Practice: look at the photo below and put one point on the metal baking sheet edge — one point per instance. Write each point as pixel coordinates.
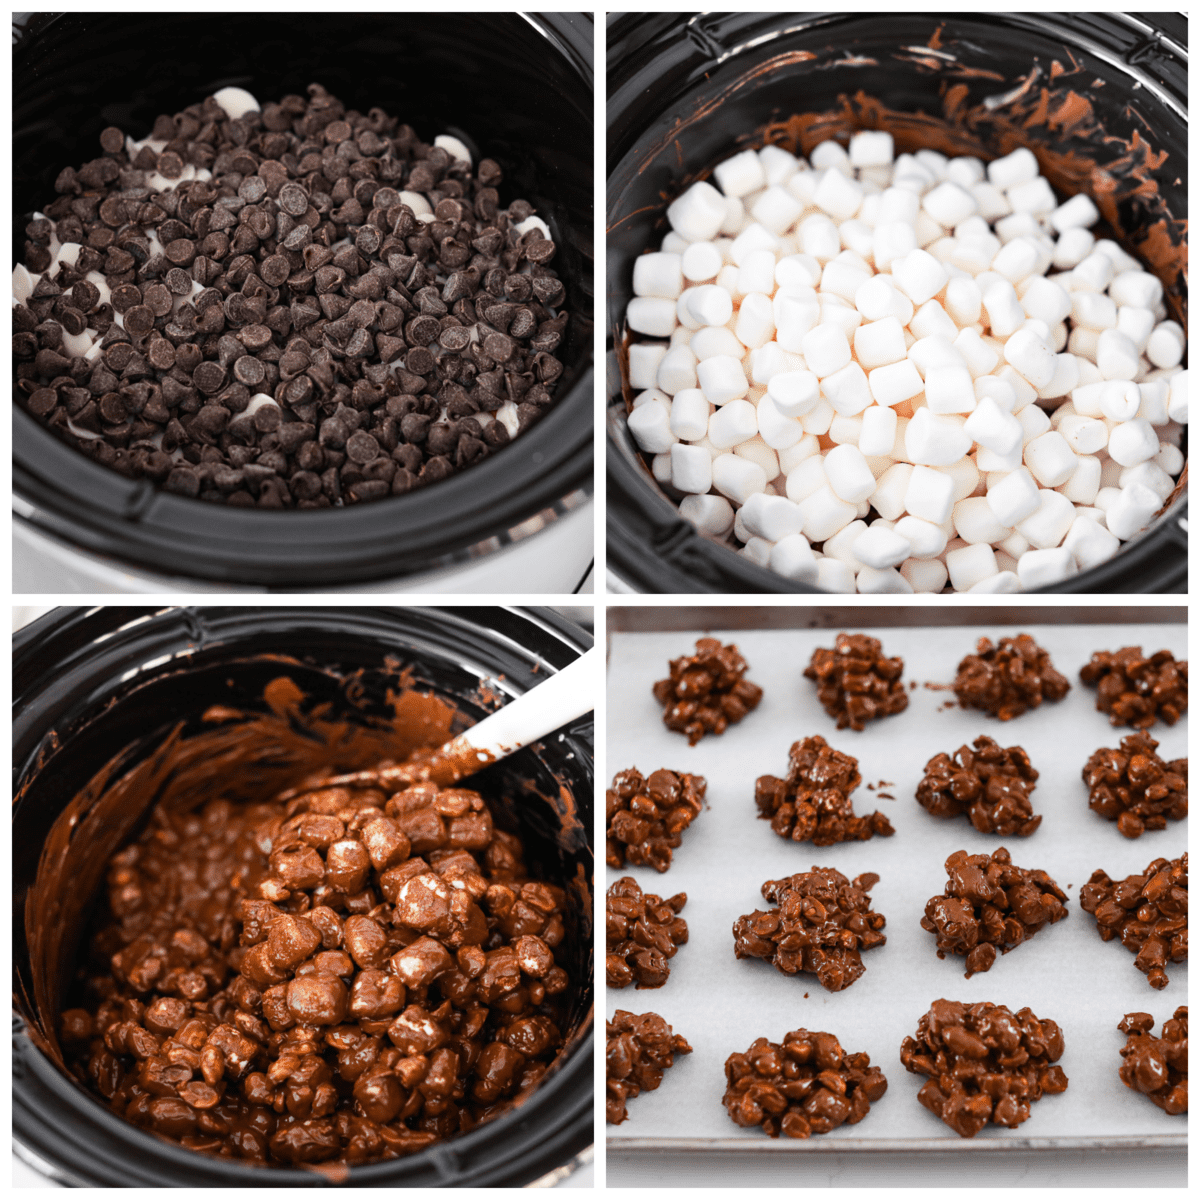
(1164, 1141)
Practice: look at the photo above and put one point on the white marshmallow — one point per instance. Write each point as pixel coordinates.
(845, 431)
(879, 343)
(1042, 568)
(1014, 497)
(805, 478)
(1154, 396)
(847, 390)
(237, 102)
(790, 457)
(993, 427)
(1004, 582)
(677, 370)
(1004, 312)
(776, 209)
(1136, 287)
(881, 548)
(975, 522)
(737, 478)
(872, 581)
(936, 440)
(1116, 355)
(690, 411)
(1016, 168)
(848, 474)
(1084, 483)
(1076, 213)
(777, 430)
(658, 274)
(771, 517)
(1047, 526)
(755, 236)
(834, 576)
(797, 273)
(1166, 345)
(919, 276)
(927, 576)
(700, 262)
(1169, 458)
(710, 304)
(795, 318)
(819, 419)
(1050, 459)
(792, 557)
(758, 551)
(644, 358)
(650, 426)
(871, 148)
(1132, 442)
(929, 495)
(949, 204)
(651, 315)
(926, 540)
(1090, 543)
(755, 322)
(710, 514)
(691, 468)
(722, 379)
(1000, 390)
(741, 174)
(1035, 196)
(1029, 355)
(891, 491)
(712, 340)
(932, 320)
(839, 196)
(1131, 511)
(778, 165)
(895, 383)
(1085, 435)
(970, 565)
(736, 422)
(794, 392)
(697, 214)
(824, 514)
(878, 430)
(1150, 475)
(949, 389)
(757, 274)
(1177, 406)
(826, 350)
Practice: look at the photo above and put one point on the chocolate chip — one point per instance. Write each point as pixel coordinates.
(293, 199)
(178, 282)
(170, 166)
(361, 447)
(112, 140)
(139, 320)
(158, 299)
(209, 377)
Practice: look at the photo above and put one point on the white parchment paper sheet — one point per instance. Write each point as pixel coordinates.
(721, 1004)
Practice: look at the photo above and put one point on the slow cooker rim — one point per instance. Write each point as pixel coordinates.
(572, 1120)
(629, 482)
(546, 472)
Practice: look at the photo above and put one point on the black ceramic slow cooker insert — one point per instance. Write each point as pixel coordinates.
(513, 87)
(684, 88)
(88, 683)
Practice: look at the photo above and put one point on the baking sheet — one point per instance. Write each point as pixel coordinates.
(721, 1004)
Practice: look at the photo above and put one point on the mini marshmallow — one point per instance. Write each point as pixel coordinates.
(778, 165)
(970, 565)
(1029, 355)
(1042, 568)
(872, 581)
(776, 209)
(771, 517)
(1131, 511)
(741, 174)
(847, 390)
(713, 340)
(795, 317)
(736, 422)
(1169, 458)
(1138, 288)
(658, 274)
(929, 495)
(979, 357)
(700, 262)
(949, 204)
(848, 474)
(677, 370)
(737, 478)
(644, 358)
(1177, 406)
(757, 451)
(697, 214)
(881, 548)
(993, 427)
(757, 274)
(1089, 543)
(806, 478)
(710, 304)
(651, 315)
(838, 195)
(818, 236)
(650, 426)
(879, 343)
(1166, 345)
(824, 514)
(1150, 475)
(1116, 355)
(755, 236)
(974, 521)
(1034, 196)
(1048, 524)
(797, 273)
(755, 322)
(758, 551)
(777, 430)
(1014, 498)
(1016, 168)
(932, 320)
(1085, 435)
(895, 383)
(999, 390)
(818, 420)
(1050, 459)
(1004, 311)
(926, 576)
(795, 393)
(826, 350)
(709, 514)
(949, 389)
(834, 576)
(690, 411)
(936, 440)
(891, 491)
(722, 379)
(1132, 442)
(790, 457)
(878, 430)
(691, 468)
(926, 540)
(237, 102)
(1077, 213)
(871, 148)
(792, 557)
(919, 276)
(845, 431)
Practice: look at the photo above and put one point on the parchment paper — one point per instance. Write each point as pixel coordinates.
(721, 1004)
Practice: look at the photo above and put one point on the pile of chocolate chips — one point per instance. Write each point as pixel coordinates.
(989, 903)
(813, 803)
(822, 923)
(647, 817)
(1135, 690)
(706, 691)
(990, 784)
(1148, 912)
(1006, 680)
(1157, 1066)
(855, 682)
(642, 932)
(807, 1085)
(1136, 788)
(296, 271)
(984, 1063)
(640, 1046)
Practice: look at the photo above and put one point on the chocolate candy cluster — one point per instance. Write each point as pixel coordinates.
(1136, 788)
(642, 931)
(1136, 690)
(1009, 678)
(640, 1046)
(990, 784)
(706, 691)
(647, 816)
(855, 682)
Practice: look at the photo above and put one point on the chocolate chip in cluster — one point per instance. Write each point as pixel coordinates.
(1135, 690)
(707, 691)
(339, 974)
(295, 308)
(642, 933)
(813, 803)
(640, 1046)
(989, 904)
(821, 925)
(1157, 1066)
(983, 1063)
(990, 784)
(1008, 679)
(1136, 788)
(1147, 912)
(807, 1085)
(855, 682)
(647, 816)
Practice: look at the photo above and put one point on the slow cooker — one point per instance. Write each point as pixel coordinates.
(515, 87)
(683, 89)
(89, 683)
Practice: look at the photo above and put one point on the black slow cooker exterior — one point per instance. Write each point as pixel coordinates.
(683, 87)
(88, 682)
(515, 87)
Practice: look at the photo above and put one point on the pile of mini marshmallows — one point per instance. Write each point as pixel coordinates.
(929, 339)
